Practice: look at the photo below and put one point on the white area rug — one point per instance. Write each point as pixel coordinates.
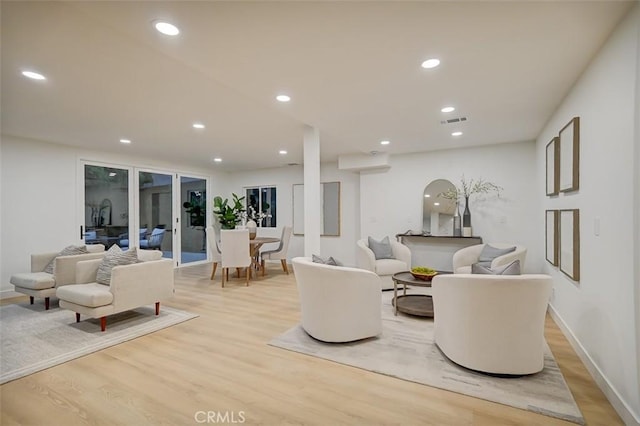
(406, 350)
(34, 339)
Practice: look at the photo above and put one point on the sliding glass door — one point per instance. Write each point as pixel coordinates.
(193, 239)
(106, 204)
(155, 212)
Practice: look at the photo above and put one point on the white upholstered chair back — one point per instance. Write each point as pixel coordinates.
(492, 323)
(465, 257)
(214, 248)
(279, 253)
(235, 251)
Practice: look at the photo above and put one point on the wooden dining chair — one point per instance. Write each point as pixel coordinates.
(280, 253)
(214, 248)
(235, 252)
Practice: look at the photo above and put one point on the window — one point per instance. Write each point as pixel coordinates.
(261, 205)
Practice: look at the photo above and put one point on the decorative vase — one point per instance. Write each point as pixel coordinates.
(457, 226)
(466, 219)
(252, 227)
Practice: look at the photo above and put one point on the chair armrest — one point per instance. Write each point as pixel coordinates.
(365, 259)
(141, 284)
(41, 260)
(401, 252)
(87, 270)
(64, 268)
(466, 256)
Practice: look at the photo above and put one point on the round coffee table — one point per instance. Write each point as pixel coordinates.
(412, 304)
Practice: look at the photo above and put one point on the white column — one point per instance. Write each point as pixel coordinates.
(312, 205)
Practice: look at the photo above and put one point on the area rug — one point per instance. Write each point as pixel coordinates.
(34, 339)
(405, 350)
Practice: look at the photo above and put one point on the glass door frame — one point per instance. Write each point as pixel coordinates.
(208, 218)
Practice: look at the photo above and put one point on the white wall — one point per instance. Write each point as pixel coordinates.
(391, 202)
(341, 247)
(39, 190)
(599, 313)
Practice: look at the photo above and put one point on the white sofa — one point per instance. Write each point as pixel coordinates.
(337, 303)
(38, 283)
(384, 268)
(492, 323)
(465, 257)
(132, 286)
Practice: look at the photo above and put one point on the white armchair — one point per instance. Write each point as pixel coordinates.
(38, 283)
(384, 268)
(337, 303)
(492, 323)
(131, 286)
(465, 257)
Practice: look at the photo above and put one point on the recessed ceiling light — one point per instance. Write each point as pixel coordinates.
(448, 109)
(217, 159)
(385, 142)
(125, 141)
(282, 152)
(283, 98)
(198, 126)
(427, 195)
(436, 204)
(166, 28)
(456, 134)
(431, 63)
(33, 75)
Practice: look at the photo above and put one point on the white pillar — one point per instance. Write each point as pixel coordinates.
(312, 205)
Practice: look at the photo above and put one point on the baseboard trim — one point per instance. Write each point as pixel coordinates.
(619, 404)
(9, 294)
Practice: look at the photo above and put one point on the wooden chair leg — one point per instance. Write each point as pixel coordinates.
(77, 317)
(225, 272)
(284, 266)
(46, 303)
(103, 323)
(248, 275)
(215, 266)
(31, 300)
(262, 263)
(157, 308)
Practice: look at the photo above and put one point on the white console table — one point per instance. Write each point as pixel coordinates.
(435, 251)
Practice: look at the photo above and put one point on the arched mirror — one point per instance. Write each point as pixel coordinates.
(437, 211)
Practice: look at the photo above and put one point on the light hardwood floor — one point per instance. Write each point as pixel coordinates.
(220, 362)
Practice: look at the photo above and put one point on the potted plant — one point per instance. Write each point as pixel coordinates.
(228, 215)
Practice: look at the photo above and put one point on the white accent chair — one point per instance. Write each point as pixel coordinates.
(38, 283)
(280, 253)
(492, 323)
(132, 286)
(337, 303)
(235, 252)
(465, 257)
(155, 239)
(214, 248)
(384, 268)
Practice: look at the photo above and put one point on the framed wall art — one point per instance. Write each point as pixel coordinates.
(570, 156)
(552, 221)
(570, 243)
(553, 166)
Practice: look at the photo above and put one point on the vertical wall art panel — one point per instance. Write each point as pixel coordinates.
(570, 156)
(570, 243)
(553, 166)
(552, 236)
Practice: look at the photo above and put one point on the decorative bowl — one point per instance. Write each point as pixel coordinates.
(423, 276)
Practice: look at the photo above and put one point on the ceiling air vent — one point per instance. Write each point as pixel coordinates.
(454, 120)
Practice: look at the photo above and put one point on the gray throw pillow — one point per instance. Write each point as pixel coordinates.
(329, 261)
(512, 268)
(489, 253)
(67, 251)
(114, 257)
(381, 249)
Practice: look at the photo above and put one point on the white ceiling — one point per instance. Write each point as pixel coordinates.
(351, 68)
